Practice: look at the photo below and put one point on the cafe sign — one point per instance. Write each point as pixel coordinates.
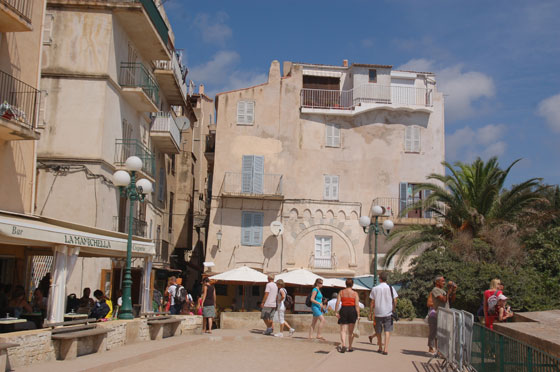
(85, 241)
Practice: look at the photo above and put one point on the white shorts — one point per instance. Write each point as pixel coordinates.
(279, 316)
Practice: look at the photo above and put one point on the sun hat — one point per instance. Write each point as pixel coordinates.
(502, 297)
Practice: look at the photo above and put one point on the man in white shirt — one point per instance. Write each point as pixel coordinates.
(332, 303)
(268, 305)
(382, 305)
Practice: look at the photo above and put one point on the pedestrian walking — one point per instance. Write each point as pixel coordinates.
(170, 295)
(489, 302)
(383, 303)
(208, 305)
(438, 297)
(348, 303)
(317, 309)
(268, 305)
(281, 310)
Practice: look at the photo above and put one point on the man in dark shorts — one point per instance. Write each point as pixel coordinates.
(382, 305)
(268, 305)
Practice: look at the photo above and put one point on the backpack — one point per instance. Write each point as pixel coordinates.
(288, 301)
(180, 294)
(492, 301)
(308, 299)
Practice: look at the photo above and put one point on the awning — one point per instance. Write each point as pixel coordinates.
(47, 232)
(336, 74)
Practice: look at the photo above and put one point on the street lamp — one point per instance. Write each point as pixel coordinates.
(373, 227)
(133, 191)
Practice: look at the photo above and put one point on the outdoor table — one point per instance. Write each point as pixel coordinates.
(7, 324)
(74, 316)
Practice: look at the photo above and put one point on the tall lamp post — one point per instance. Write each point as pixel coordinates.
(133, 191)
(372, 227)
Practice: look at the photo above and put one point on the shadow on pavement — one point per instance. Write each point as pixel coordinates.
(426, 367)
(257, 331)
(416, 352)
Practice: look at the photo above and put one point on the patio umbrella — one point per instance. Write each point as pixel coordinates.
(340, 283)
(241, 276)
(298, 277)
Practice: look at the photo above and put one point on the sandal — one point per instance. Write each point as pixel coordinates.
(380, 351)
(321, 338)
(350, 349)
(385, 353)
(370, 339)
(342, 349)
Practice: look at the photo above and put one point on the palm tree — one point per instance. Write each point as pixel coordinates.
(469, 202)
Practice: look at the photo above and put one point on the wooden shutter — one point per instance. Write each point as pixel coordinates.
(246, 223)
(415, 139)
(47, 29)
(42, 122)
(161, 189)
(335, 135)
(241, 118)
(247, 174)
(408, 139)
(334, 187)
(249, 112)
(327, 190)
(403, 190)
(257, 229)
(258, 174)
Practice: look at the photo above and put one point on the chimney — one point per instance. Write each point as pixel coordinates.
(201, 89)
(344, 63)
(274, 72)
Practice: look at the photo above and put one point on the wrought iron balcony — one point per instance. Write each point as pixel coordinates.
(19, 103)
(400, 210)
(170, 75)
(139, 227)
(165, 133)
(15, 15)
(265, 186)
(124, 148)
(139, 86)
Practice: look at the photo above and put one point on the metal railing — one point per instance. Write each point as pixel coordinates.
(266, 184)
(139, 227)
(165, 122)
(323, 263)
(24, 8)
(454, 338)
(366, 93)
(18, 101)
(492, 351)
(399, 208)
(177, 68)
(136, 75)
(124, 148)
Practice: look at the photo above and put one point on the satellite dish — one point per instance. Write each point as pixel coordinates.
(276, 227)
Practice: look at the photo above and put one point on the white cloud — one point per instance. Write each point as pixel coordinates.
(463, 90)
(213, 29)
(466, 143)
(222, 74)
(550, 110)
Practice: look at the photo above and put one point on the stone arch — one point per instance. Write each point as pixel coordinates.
(307, 214)
(294, 214)
(341, 215)
(318, 215)
(354, 215)
(332, 229)
(329, 215)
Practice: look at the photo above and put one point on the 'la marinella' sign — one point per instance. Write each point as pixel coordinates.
(83, 240)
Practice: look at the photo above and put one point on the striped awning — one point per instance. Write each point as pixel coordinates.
(326, 73)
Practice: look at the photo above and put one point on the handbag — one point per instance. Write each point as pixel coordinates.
(357, 328)
(394, 314)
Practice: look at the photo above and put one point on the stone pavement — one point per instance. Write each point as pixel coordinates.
(249, 350)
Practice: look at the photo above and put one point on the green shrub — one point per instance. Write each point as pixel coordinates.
(364, 312)
(405, 309)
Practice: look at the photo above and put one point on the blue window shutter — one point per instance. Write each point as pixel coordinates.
(257, 228)
(427, 213)
(246, 222)
(403, 190)
(258, 174)
(247, 174)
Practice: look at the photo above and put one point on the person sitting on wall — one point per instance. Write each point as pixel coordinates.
(101, 308)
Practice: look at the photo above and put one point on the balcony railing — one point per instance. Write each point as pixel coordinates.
(124, 148)
(23, 8)
(18, 101)
(399, 208)
(265, 184)
(135, 75)
(165, 122)
(323, 263)
(139, 227)
(367, 93)
(175, 66)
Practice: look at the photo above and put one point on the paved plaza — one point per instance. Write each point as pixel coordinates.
(249, 350)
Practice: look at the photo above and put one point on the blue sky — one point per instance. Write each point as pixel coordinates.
(497, 62)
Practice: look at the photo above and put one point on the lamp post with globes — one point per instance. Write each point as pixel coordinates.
(371, 227)
(133, 191)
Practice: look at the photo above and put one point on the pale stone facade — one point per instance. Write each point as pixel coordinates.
(320, 146)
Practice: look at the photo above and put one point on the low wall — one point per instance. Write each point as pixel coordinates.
(302, 322)
(36, 346)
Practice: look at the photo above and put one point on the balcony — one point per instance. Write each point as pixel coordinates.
(139, 227)
(139, 87)
(141, 20)
(165, 133)
(365, 98)
(169, 75)
(265, 186)
(210, 147)
(19, 103)
(15, 15)
(125, 148)
(162, 253)
(397, 210)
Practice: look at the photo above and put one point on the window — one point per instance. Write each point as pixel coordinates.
(323, 250)
(333, 135)
(161, 184)
(252, 228)
(245, 112)
(47, 29)
(373, 76)
(173, 164)
(412, 139)
(252, 169)
(331, 188)
(409, 196)
(171, 197)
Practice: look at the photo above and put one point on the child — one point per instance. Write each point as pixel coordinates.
(504, 312)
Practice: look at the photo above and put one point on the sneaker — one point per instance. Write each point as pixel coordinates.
(268, 331)
(292, 331)
(278, 335)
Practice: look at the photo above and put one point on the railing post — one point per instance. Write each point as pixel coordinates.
(501, 352)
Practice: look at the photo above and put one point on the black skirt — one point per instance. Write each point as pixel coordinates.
(348, 315)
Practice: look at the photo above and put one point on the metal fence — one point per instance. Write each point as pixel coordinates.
(23, 8)
(124, 148)
(139, 227)
(494, 352)
(136, 75)
(18, 101)
(454, 335)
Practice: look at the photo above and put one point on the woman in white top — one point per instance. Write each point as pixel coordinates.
(281, 309)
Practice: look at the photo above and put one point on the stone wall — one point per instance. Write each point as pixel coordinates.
(34, 347)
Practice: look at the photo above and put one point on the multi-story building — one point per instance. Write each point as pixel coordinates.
(315, 148)
(114, 88)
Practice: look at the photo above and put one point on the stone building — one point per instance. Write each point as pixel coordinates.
(315, 148)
